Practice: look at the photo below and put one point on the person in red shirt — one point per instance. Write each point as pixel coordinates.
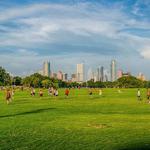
(67, 92)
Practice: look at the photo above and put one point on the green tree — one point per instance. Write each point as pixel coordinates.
(47, 83)
(5, 78)
(129, 82)
(17, 80)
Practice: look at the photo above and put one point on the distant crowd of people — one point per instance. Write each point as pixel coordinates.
(54, 92)
(139, 96)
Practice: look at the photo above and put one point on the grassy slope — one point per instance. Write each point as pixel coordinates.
(114, 121)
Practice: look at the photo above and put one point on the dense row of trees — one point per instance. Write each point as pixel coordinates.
(37, 80)
(124, 82)
(5, 78)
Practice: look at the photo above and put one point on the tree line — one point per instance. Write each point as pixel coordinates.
(36, 80)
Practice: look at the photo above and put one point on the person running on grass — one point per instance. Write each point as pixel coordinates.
(67, 92)
(8, 96)
(148, 93)
(32, 92)
(56, 92)
(41, 93)
(139, 94)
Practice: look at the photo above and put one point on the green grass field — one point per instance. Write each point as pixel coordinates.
(115, 121)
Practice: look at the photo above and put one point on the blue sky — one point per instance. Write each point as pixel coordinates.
(67, 32)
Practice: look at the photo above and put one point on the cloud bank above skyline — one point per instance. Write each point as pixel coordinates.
(70, 32)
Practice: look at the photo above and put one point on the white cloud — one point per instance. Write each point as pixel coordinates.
(37, 25)
(146, 52)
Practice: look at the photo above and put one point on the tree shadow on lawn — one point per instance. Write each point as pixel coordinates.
(139, 146)
(28, 112)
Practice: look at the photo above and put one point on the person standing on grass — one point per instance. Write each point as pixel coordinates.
(139, 94)
(8, 96)
(32, 92)
(148, 94)
(41, 93)
(50, 91)
(54, 92)
(100, 92)
(67, 92)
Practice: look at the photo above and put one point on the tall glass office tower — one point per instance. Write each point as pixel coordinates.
(113, 70)
(46, 69)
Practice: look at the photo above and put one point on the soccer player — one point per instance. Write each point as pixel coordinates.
(100, 92)
(67, 92)
(56, 92)
(148, 94)
(50, 92)
(8, 96)
(41, 93)
(32, 92)
(139, 94)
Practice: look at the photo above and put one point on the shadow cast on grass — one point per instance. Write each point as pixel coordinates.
(139, 146)
(28, 112)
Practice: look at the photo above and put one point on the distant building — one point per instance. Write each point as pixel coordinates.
(98, 76)
(46, 69)
(73, 78)
(54, 75)
(102, 74)
(106, 78)
(126, 74)
(90, 75)
(80, 72)
(120, 74)
(65, 77)
(113, 70)
(60, 75)
(94, 77)
(141, 77)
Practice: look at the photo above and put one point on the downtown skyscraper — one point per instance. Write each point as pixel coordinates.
(46, 69)
(113, 71)
(80, 73)
(100, 74)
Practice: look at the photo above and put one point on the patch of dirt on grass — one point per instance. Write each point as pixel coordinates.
(98, 126)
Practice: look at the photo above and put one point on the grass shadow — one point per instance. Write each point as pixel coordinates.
(138, 146)
(28, 112)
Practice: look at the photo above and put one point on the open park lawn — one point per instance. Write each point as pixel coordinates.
(113, 121)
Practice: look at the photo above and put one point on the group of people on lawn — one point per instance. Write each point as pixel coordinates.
(51, 92)
(54, 92)
(147, 94)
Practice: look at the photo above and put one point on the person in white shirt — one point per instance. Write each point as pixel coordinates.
(139, 94)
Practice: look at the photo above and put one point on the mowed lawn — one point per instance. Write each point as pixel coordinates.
(115, 121)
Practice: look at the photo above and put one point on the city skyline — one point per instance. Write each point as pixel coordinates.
(65, 31)
(80, 74)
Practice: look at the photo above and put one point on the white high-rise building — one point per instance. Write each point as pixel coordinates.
(113, 71)
(90, 74)
(46, 69)
(80, 72)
